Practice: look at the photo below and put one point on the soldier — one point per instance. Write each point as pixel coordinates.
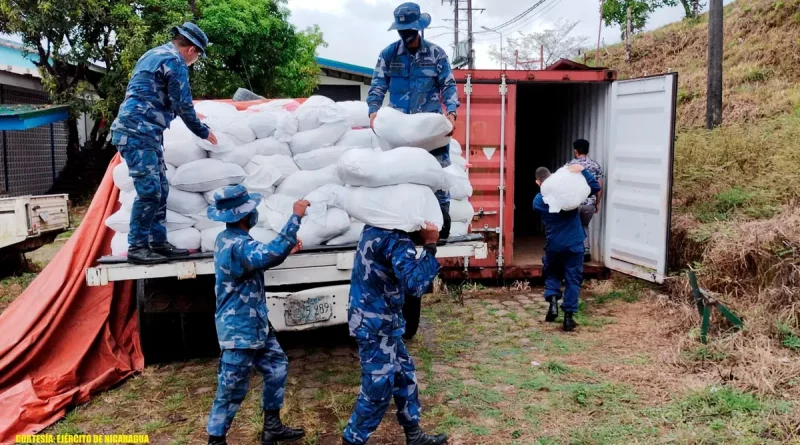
(246, 338)
(418, 77)
(158, 90)
(387, 271)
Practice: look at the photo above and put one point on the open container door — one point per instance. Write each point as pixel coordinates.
(639, 184)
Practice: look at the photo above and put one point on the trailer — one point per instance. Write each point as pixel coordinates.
(28, 222)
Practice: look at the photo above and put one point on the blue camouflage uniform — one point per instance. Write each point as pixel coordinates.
(245, 335)
(417, 83)
(386, 270)
(157, 92)
(563, 250)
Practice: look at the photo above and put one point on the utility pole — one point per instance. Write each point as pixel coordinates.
(628, 37)
(469, 35)
(714, 88)
(599, 30)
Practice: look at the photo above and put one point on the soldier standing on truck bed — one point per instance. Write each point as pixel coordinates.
(157, 91)
(246, 338)
(418, 77)
(386, 271)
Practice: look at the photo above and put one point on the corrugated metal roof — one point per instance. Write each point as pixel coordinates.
(26, 116)
(345, 67)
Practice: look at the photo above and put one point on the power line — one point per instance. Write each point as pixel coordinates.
(536, 17)
(519, 16)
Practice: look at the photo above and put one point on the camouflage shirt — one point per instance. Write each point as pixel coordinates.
(386, 270)
(417, 83)
(592, 167)
(239, 265)
(158, 90)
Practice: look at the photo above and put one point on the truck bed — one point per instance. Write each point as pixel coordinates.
(325, 264)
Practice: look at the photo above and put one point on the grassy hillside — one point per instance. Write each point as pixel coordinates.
(735, 214)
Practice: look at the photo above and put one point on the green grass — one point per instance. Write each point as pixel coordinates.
(557, 368)
(12, 287)
(788, 338)
(704, 353)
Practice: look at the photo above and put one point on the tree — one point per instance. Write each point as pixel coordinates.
(615, 12)
(691, 8)
(254, 46)
(557, 43)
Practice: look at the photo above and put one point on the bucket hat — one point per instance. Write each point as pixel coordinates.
(233, 203)
(409, 16)
(194, 34)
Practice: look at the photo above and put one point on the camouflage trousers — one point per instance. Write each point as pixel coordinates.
(233, 374)
(149, 174)
(386, 371)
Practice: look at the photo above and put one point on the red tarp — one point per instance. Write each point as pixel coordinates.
(62, 341)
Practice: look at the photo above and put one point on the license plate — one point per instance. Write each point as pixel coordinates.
(311, 310)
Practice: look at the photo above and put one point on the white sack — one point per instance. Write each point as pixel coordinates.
(208, 238)
(321, 157)
(171, 169)
(458, 182)
(120, 221)
(207, 174)
(461, 211)
(262, 181)
(425, 130)
(126, 199)
(218, 113)
(119, 244)
(183, 153)
(269, 147)
(185, 203)
(285, 165)
(351, 236)
(459, 162)
(322, 136)
(201, 221)
(122, 178)
(239, 132)
(239, 155)
(455, 148)
(304, 182)
(459, 228)
(265, 123)
(356, 111)
(565, 190)
(209, 195)
(178, 134)
(317, 228)
(224, 143)
(358, 138)
(262, 235)
(404, 165)
(274, 211)
(403, 207)
(316, 111)
(275, 104)
(185, 238)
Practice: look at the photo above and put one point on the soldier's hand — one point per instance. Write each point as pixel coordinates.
(212, 138)
(297, 247)
(430, 234)
(372, 120)
(300, 207)
(575, 168)
(452, 120)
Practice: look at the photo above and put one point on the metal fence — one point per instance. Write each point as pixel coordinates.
(30, 160)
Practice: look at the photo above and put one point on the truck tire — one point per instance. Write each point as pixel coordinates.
(412, 310)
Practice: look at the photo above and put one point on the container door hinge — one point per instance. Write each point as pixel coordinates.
(481, 213)
(486, 229)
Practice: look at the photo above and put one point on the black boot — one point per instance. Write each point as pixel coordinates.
(552, 311)
(415, 436)
(569, 322)
(275, 431)
(144, 256)
(168, 250)
(217, 440)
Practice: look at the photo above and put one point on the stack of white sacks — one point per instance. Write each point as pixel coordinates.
(321, 151)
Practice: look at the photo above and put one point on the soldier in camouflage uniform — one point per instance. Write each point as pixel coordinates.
(158, 90)
(246, 338)
(387, 271)
(418, 77)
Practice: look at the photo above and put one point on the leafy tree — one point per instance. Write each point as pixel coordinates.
(615, 12)
(557, 43)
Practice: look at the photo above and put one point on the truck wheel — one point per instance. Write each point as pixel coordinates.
(412, 310)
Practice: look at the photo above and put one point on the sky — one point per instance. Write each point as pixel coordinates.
(356, 30)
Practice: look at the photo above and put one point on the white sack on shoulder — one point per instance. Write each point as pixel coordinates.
(262, 235)
(119, 244)
(185, 238)
(208, 238)
(120, 221)
(323, 136)
(284, 164)
(183, 153)
(321, 157)
(207, 174)
(317, 228)
(461, 211)
(239, 155)
(403, 165)
(356, 111)
(185, 203)
(425, 130)
(351, 236)
(565, 190)
(304, 182)
(275, 211)
(316, 111)
(458, 182)
(403, 207)
(357, 138)
(122, 178)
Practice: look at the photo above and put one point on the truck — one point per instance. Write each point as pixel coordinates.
(29, 222)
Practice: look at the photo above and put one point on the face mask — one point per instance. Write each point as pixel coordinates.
(408, 35)
(252, 219)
